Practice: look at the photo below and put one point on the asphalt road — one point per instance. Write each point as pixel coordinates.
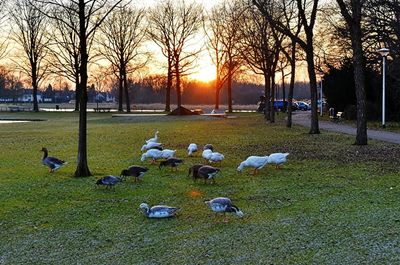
(303, 118)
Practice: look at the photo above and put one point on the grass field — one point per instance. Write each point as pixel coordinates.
(332, 203)
(391, 126)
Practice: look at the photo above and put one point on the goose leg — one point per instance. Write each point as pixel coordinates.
(225, 219)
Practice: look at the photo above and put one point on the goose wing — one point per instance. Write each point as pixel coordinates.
(222, 201)
(160, 211)
(55, 160)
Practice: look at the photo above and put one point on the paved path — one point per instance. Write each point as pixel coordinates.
(303, 119)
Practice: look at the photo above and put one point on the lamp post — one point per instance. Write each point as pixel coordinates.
(321, 74)
(384, 53)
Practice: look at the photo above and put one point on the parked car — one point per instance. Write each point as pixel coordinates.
(279, 105)
(301, 105)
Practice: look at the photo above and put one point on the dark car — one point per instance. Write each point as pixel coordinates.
(279, 105)
(301, 105)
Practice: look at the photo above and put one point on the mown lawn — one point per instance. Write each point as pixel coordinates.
(332, 203)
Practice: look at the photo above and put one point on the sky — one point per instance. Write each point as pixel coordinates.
(205, 70)
(206, 3)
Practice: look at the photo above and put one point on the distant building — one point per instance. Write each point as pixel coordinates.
(28, 97)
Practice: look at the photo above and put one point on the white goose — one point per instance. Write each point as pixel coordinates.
(278, 159)
(167, 153)
(154, 154)
(151, 145)
(154, 139)
(212, 156)
(192, 148)
(257, 162)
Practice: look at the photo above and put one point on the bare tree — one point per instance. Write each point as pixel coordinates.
(307, 12)
(229, 13)
(261, 47)
(214, 27)
(174, 25)
(292, 21)
(90, 14)
(352, 13)
(159, 32)
(120, 43)
(65, 54)
(30, 33)
(3, 18)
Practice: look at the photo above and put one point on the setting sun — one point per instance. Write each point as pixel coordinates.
(206, 72)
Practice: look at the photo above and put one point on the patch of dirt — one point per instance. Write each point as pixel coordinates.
(161, 118)
(183, 111)
(341, 153)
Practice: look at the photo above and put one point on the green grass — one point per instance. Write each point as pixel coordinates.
(332, 203)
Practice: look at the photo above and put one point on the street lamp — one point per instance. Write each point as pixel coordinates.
(384, 52)
(321, 74)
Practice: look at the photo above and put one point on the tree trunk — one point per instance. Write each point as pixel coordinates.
(283, 87)
(168, 88)
(291, 86)
(272, 118)
(313, 85)
(120, 90)
(353, 20)
(359, 79)
(77, 92)
(267, 86)
(178, 85)
(217, 90)
(82, 169)
(229, 87)
(34, 88)
(127, 99)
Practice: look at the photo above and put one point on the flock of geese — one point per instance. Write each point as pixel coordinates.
(153, 150)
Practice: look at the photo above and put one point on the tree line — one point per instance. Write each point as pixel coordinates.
(265, 37)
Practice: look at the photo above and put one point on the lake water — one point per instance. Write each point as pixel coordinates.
(11, 121)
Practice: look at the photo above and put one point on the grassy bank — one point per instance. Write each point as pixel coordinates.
(332, 203)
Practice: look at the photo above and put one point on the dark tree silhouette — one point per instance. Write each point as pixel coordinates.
(30, 33)
(213, 28)
(292, 21)
(65, 58)
(173, 27)
(90, 14)
(307, 12)
(221, 29)
(260, 48)
(3, 18)
(122, 37)
(229, 14)
(159, 32)
(352, 14)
